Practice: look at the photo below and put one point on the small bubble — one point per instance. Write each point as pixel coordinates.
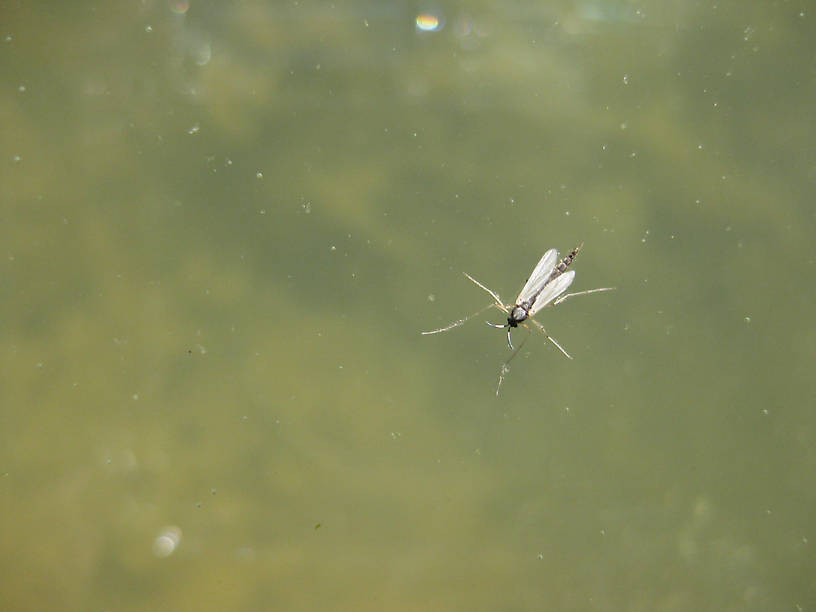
(428, 22)
(747, 319)
(307, 207)
(259, 175)
(194, 129)
(167, 541)
(21, 88)
(625, 79)
(431, 297)
(148, 28)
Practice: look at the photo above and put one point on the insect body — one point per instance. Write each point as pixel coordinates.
(547, 282)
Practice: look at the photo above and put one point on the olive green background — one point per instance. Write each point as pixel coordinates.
(223, 226)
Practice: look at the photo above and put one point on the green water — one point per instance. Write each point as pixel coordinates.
(225, 224)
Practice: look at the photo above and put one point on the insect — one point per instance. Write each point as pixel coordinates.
(548, 281)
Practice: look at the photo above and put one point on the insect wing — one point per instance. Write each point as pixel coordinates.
(552, 291)
(539, 276)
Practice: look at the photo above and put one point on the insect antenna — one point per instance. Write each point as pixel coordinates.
(505, 367)
(497, 326)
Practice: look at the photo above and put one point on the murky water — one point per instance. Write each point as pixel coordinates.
(225, 225)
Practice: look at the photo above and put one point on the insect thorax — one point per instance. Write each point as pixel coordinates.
(517, 315)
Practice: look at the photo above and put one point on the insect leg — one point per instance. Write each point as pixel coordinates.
(457, 323)
(550, 338)
(493, 294)
(569, 295)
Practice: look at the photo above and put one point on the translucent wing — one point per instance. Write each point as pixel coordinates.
(552, 291)
(539, 276)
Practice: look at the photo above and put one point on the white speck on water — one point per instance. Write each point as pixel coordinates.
(167, 541)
